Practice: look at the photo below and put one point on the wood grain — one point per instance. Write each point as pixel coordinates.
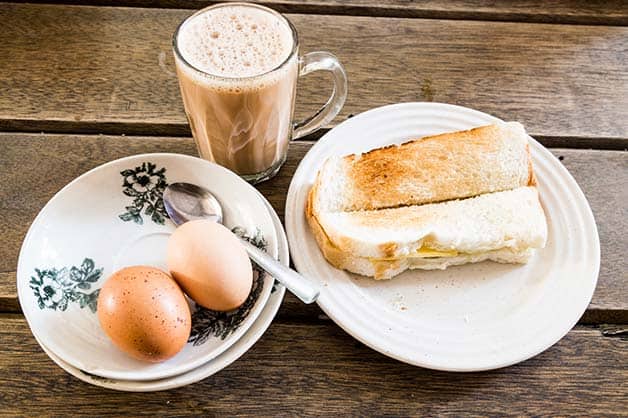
(607, 195)
(318, 370)
(612, 12)
(37, 166)
(109, 69)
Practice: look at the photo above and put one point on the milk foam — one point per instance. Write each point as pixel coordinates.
(235, 41)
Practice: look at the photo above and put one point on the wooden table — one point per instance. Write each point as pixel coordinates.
(81, 85)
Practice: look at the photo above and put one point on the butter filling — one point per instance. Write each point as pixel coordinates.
(423, 252)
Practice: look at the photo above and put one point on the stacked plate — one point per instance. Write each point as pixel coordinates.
(112, 217)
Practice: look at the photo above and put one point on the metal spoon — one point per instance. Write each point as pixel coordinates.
(187, 202)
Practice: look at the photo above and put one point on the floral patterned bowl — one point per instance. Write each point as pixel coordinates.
(111, 217)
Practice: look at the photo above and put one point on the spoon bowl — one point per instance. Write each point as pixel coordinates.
(187, 202)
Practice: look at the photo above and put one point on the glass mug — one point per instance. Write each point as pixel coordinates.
(241, 118)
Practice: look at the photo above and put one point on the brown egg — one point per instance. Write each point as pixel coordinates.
(210, 264)
(145, 313)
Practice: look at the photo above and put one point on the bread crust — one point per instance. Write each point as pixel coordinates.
(334, 255)
(531, 175)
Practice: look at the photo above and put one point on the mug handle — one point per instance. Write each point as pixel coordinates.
(322, 61)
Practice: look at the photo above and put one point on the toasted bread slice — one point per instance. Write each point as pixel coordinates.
(431, 169)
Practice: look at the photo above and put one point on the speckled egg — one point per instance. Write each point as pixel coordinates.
(145, 313)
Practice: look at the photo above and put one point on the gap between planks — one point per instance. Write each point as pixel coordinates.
(607, 330)
(610, 13)
(49, 127)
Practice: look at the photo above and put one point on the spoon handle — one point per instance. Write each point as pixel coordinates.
(293, 281)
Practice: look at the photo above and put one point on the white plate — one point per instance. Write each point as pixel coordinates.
(468, 318)
(213, 366)
(98, 224)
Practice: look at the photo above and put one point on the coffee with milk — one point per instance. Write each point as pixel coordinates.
(238, 66)
(241, 118)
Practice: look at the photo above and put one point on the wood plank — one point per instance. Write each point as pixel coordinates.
(318, 370)
(109, 69)
(563, 11)
(36, 166)
(607, 195)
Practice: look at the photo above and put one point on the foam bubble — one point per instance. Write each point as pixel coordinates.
(248, 40)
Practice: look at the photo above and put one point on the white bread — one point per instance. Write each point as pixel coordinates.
(431, 169)
(502, 226)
